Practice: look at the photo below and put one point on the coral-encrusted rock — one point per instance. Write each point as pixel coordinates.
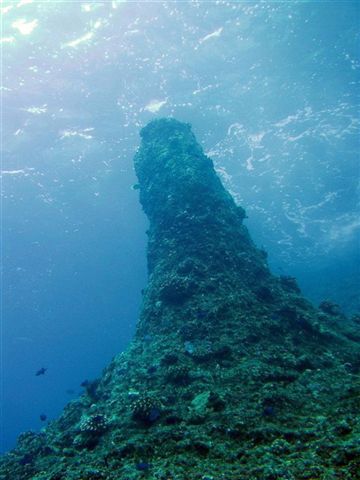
(231, 375)
(146, 409)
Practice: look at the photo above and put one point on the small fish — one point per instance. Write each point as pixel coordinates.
(143, 466)
(201, 313)
(154, 414)
(41, 371)
(268, 411)
(26, 459)
(43, 417)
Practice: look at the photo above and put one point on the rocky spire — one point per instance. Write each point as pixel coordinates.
(199, 251)
(232, 374)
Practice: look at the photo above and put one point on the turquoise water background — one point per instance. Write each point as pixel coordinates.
(271, 90)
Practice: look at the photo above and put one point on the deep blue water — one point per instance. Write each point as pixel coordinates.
(271, 90)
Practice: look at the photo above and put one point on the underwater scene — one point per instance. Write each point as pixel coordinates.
(180, 240)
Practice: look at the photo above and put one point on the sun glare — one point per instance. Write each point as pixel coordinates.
(24, 27)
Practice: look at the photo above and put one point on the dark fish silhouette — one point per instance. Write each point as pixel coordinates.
(26, 459)
(43, 417)
(143, 466)
(41, 371)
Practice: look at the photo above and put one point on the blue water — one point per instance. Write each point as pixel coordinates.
(271, 90)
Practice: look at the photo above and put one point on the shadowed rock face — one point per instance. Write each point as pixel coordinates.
(231, 375)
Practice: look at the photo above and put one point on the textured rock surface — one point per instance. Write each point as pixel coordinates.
(231, 375)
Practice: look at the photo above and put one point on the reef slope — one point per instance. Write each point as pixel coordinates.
(232, 374)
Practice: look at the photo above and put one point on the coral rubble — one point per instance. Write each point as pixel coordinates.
(232, 374)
